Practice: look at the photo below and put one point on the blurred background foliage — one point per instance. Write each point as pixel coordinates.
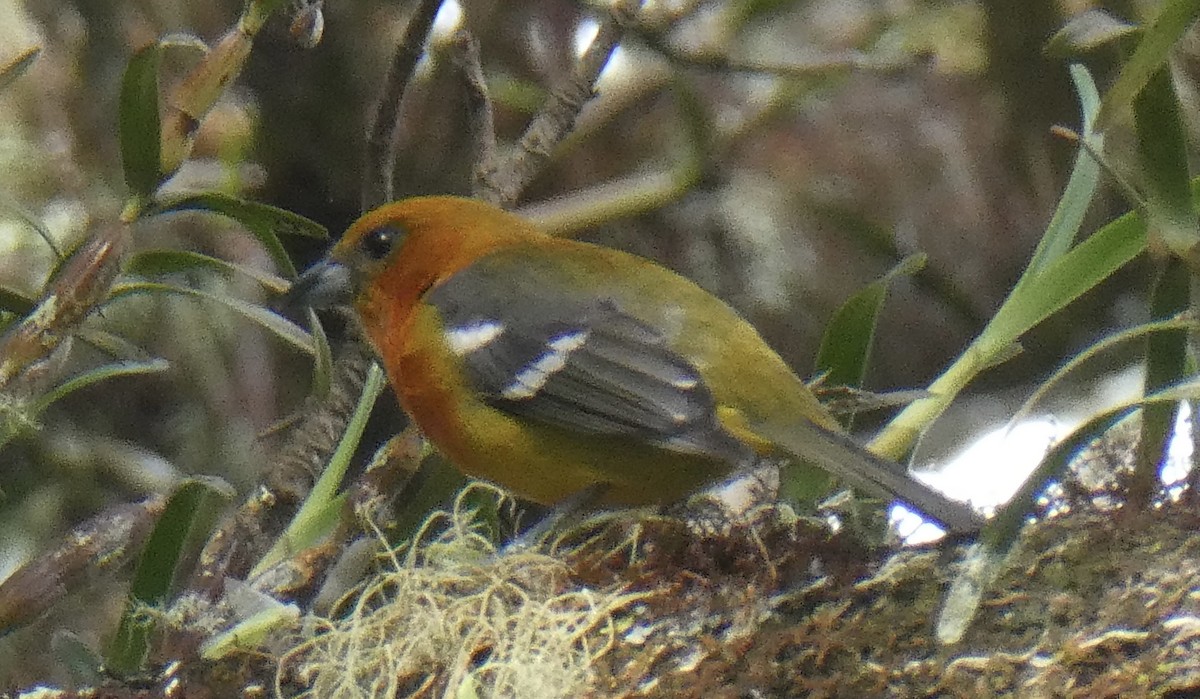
(807, 146)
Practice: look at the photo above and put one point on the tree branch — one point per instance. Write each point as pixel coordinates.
(481, 123)
(557, 116)
(380, 162)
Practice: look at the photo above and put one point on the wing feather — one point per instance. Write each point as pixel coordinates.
(584, 365)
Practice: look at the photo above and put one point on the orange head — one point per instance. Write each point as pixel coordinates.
(392, 255)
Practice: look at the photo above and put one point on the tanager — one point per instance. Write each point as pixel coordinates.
(555, 367)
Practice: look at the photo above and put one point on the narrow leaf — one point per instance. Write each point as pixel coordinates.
(1093, 351)
(156, 263)
(1166, 361)
(1064, 225)
(14, 69)
(317, 516)
(15, 302)
(264, 222)
(977, 570)
(194, 503)
(255, 614)
(323, 366)
(1035, 299)
(1086, 32)
(1068, 278)
(250, 213)
(846, 346)
(153, 263)
(1151, 55)
(997, 341)
(249, 633)
(26, 217)
(267, 319)
(141, 145)
(112, 344)
(183, 40)
(1002, 531)
(1162, 149)
(94, 376)
(984, 560)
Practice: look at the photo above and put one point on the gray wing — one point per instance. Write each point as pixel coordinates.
(583, 365)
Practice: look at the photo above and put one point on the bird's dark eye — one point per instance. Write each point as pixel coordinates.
(379, 242)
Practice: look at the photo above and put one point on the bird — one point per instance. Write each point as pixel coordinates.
(566, 371)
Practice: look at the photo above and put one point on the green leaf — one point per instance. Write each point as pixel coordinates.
(846, 346)
(1057, 275)
(140, 131)
(1065, 280)
(156, 263)
(1041, 290)
(153, 263)
(249, 633)
(1068, 216)
(1163, 150)
(26, 217)
(1002, 532)
(1151, 55)
(978, 568)
(94, 376)
(1068, 278)
(432, 487)
(264, 317)
(984, 561)
(1093, 351)
(264, 222)
(1162, 147)
(15, 302)
(183, 40)
(323, 366)
(322, 508)
(111, 344)
(192, 508)
(1166, 362)
(15, 68)
(1086, 32)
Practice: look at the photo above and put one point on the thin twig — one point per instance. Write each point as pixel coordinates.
(481, 123)
(557, 116)
(380, 163)
(817, 66)
(102, 544)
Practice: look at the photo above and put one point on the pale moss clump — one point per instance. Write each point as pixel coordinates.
(456, 618)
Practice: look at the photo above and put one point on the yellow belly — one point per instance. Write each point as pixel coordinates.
(536, 461)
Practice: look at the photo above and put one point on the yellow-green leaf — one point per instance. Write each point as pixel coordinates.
(141, 145)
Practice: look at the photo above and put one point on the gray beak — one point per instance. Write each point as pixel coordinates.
(324, 285)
